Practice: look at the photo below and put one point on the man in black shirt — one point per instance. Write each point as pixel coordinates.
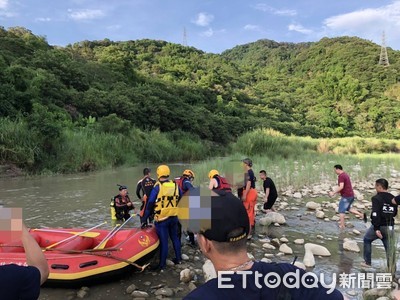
(143, 190)
(270, 191)
(382, 219)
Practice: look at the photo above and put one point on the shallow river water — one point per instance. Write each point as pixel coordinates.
(82, 200)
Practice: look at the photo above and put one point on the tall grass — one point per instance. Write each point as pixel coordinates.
(88, 149)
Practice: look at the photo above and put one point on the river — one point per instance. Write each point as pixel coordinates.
(82, 200)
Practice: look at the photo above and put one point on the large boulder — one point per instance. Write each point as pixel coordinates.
(351, 245)
(272, 218)
(311, 250)
(313, 205)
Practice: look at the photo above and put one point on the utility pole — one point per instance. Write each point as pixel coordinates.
(383, 59)
(184, 37)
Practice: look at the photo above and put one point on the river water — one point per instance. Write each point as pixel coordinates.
(82, 200)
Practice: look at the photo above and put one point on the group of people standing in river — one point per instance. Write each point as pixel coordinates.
(153, 194)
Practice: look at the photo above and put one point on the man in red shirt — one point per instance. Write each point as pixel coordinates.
(345, 190)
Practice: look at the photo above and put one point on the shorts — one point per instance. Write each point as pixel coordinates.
(345, 204)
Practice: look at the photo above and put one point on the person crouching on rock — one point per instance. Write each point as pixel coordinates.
(123, 204)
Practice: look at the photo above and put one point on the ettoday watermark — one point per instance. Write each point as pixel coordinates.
(309, 280)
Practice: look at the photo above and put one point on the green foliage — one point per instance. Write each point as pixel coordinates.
(184, 102)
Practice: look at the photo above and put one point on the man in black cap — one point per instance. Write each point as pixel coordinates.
(223, 241)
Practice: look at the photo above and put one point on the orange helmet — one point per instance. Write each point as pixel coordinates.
(188, 173)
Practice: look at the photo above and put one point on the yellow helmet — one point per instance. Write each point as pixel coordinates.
(212, 173)
(163, 171)
(188, 173)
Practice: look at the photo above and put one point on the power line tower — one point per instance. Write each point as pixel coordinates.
(383, 59)
(184, 37)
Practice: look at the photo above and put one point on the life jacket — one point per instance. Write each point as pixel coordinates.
(122, 201)
(166, 204)
(223, 184)
(180, 182)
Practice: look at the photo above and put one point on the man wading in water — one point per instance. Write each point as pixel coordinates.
(345, 189)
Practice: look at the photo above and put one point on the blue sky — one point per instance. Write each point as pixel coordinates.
(211, 25)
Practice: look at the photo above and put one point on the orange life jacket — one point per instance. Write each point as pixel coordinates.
(223, 184)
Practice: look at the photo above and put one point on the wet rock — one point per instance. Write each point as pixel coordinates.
(313, 205)
(320, 214)
(185, 257)
(355, 231)
(352, 293)
(82, 293)
(335, 218)
(139, 294)
(284, 240)
(266, 260)
(266, 240)
(279, 254)
(297, 195)
(374, 293)
(196, 258)
(250, 256)
(300, 265)
(209, 270)
(299, 241)
(192, 286)
(147, 283)
(351, 245)
(157, 286)
(284, 248)
(277, 225)
(166, 291)
(320, 237)
(268, 246)
(131, 288)
(275, 242)
(253, 245)
(268, 255)
(170, 263)
(186, 275)
(271, 218)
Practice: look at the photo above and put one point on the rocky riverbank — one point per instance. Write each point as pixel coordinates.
(303, 228)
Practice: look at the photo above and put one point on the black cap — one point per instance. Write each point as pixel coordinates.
(122, 187)
(146, 171)
(227, 214)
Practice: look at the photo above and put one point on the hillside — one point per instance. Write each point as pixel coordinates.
(330, 88)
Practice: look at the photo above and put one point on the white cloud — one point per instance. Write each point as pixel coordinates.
(368, 23)
(251, 27)
(203, 19)
(299, 28)
(43, 19)
(208, 33)
(361, 18)
(3, 4)
(85, 14)
(280, 12)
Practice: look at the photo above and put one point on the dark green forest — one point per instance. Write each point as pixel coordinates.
(96, 104)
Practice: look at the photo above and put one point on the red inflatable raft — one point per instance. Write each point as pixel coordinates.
(80, 260)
